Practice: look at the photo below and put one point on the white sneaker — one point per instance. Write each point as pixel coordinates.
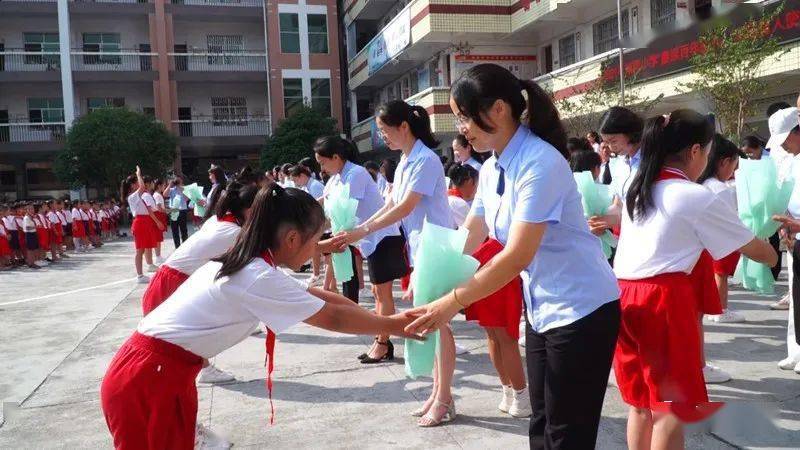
(797, 368)
(520, 404)
(211, 375)
(788, 363)
(207, 439)
(142, 279)
(714, 374)
(508, 397)
(461, 350)
(365, 293)
(782, 304)
(152, 268)
(728, 316)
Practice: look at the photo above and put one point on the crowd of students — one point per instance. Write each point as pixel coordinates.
(640, 311)
(34, 234)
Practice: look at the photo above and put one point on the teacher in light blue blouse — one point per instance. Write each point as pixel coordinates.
(528, 201)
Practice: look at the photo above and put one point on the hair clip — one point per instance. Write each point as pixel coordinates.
(666, 119)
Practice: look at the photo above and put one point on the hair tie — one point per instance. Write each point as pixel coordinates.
(666, 120)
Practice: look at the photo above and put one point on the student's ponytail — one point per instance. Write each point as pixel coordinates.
(272, 209)
(330, 146)
(212, 202)
(236, 198)
(478, 88)
(664, 140)
(395, 112)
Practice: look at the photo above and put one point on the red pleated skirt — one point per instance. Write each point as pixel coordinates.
(5, 247)
(44, 238)
(145, 232)
(58, 233)
(164, 283)
(162, 217)
(148, 395)
(727, 265)
(705, 285)
(78, 231)
(502, 309)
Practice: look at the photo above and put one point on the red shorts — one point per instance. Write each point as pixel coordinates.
(148, 395)
(164, 283)
(88, 225)
(503, 308)
(727, 265)
(78, 231)
(5, 247)
(145, 232)
(44, 238)
(658, 351)
(104, 225)
(58, 233)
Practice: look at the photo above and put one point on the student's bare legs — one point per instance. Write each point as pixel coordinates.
(384, 306)
(722, 287)
(504, 353)
(137, 261)
(667, 432)
(148, 256)
(442, 378)
(639, 428)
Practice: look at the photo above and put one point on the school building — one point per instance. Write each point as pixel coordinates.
(415, 49)
(219, 73)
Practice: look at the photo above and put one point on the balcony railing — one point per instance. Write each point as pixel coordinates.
(233, 3)
(22, 61)
(220, 62)
(32, 132)
(110, 1)
(124, 61)
(31, 1)
(205, 126)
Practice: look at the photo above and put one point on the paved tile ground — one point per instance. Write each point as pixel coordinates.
(59, 328)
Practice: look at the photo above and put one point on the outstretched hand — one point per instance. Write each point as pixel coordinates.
(336, 244)
(402, 321)
(429, 318)
(790, 223)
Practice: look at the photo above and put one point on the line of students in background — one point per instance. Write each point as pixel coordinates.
(37, 233)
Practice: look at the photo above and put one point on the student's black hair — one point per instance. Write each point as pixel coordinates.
(287, 168)
(584, 160)
(311, 164)
(373, 168)
(461, 173)
(300, 170)
(775, 107)
(481, 86)
(147, 179)
(276, 169)
(576, 144)
(621, 120)
(664, 139)
(245, 175)
(212, 202)
(273, 209)
(595, 135)
(219, 174)
(395, 112)
(752, 142)
(126, 187)
(389, 166)
(721, 148)
(476, 155)
(328, 146)
(236, 198)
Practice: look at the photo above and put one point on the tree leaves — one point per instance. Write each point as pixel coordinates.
(294, 137)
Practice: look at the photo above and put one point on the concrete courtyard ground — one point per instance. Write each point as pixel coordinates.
(60, 327)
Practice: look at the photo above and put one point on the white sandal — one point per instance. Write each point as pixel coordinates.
(447, 417)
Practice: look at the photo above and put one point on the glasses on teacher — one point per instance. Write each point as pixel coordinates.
(460, 122)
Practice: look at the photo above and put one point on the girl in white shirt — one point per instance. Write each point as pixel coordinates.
(146, 226)
(160, 212)
(148, 393)
(667, 223)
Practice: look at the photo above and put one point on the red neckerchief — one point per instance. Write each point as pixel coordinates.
(232, 219)
(455, 193)
(269, 361)
(702, 276)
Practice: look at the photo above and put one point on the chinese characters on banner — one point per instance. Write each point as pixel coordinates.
(390, 41)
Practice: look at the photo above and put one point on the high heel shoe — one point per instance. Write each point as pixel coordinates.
(448, 416)
(364, 355)
(388, 356)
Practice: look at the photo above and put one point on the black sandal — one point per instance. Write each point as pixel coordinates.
(388, 356)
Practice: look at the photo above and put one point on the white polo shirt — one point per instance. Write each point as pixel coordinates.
(137, 205)
(207, 316)
(685, 219)
(213, 239)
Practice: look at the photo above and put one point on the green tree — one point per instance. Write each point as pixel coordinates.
(727, 72)
(106, 145)
(294, 137)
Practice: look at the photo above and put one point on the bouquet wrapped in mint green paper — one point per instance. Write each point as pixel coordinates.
(439, 266)
(195, 194)
(596, 198)
(759, 196)
(341, 211)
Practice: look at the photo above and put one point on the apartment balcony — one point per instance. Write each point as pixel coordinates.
(128, 65)
(19, 65)
(366, 9)
(103, 8)
(217, 10)
(203, 132)
(202, 66)
(28, 7)
(30, 137)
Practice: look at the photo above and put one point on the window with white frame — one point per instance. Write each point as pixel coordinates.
(290, 32)
(101, 43)
(318, 33)
(605, 33)
(41, 42)
(224, 44)
(95, 103)
(321, 95)
(662, 12)
(292, 95)
(566, 51)
(229, 111)
(45, 110)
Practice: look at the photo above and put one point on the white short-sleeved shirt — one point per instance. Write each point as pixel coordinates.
(206, 316)
(159, 199)
(569, 276)
(67, 215)
(213, 239)
(460, 209)
(380, 180)
(136, 205)
(10, 223)
(76, 214)
(28, 225)
(92, 215)
(62, 217)
(364, 189)
(725, 192)
(421, 171)
(53, 217)
(623, 169)
(685, 219)
(148, 200)
(472, 162)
